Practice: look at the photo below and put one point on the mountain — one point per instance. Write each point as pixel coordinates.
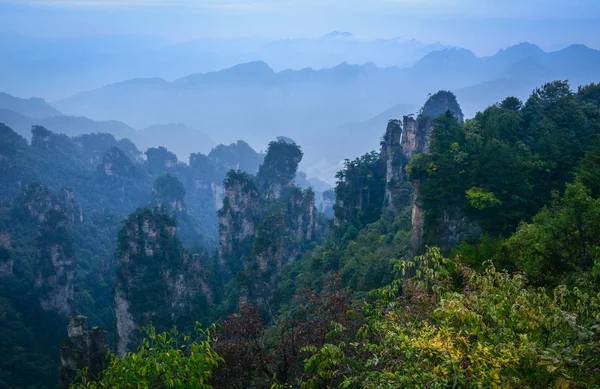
(88, 227)
(61, 66)
(33, 107)
(69, 125)
(252, 101)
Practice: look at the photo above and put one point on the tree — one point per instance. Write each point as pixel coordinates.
(163, 360)
(562, 240)
(492, 331)
(511, 103)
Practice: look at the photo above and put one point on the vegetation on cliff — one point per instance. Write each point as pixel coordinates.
(509, 299)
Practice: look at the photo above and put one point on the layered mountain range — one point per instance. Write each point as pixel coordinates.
(256, 103)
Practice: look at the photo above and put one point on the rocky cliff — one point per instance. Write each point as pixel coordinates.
(53, 217)
(400, 143)
(264, 223)
(158, 282)
(116, 163)
(84, 348)
(6, 260)
(55, 263)
(238, 220)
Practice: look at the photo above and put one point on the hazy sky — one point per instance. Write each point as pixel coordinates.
(480, 25)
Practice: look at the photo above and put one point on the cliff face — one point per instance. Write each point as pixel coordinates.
(264, 223)
(400, 143)
(169, 192)
(157, 281)
(278, 169)
(54, 217)
(116, 163)
(238, 219)
(84, 348)
(6, 260)
(55, 263)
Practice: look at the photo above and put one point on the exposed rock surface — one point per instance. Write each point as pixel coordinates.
(55, 263)
(157, 281)
(116, 163)
(264, 223)
(54, 216)
(401, 142)
(238, 218)
(6, 260)
(84, 348)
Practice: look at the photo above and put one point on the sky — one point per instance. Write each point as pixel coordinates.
(483, 26)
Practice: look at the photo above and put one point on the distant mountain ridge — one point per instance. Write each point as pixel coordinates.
(33, 107)
(68, 125)
(58, 67)
(22, 114)
(253, 101)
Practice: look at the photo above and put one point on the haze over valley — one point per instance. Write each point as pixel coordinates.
(352, 99)
(267, 194)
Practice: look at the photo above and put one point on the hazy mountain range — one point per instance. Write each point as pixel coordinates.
(252, 101)
(58, 67)
(21, 114)
(345, 103)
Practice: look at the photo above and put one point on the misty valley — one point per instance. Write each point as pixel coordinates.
(371, 214)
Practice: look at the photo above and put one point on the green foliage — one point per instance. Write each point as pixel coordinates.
(148, 251)
(168, 188)
(280, 164)
(562, 240)
(163, 360)
(493, 331)
(106, 180)
(160, 159)
(508, 159)
(360, 190)
(480, 199)
(238, 156)
(438, 104)
(587, 171)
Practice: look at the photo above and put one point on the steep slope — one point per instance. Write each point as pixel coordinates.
(264, 224)
(158, 281)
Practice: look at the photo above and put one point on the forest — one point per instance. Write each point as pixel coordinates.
(465, 253)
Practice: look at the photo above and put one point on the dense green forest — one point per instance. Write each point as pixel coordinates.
(63, 201)
(465, 253)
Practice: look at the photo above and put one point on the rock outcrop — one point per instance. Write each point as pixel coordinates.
(160, 159)
(116, 163)
(158, 282)
(401, 142)
(238, 219)
(169, 192)
(264, 223)
(6, 260)
(84, 348)
(53, 216)
(278, 169)
(55, 263)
